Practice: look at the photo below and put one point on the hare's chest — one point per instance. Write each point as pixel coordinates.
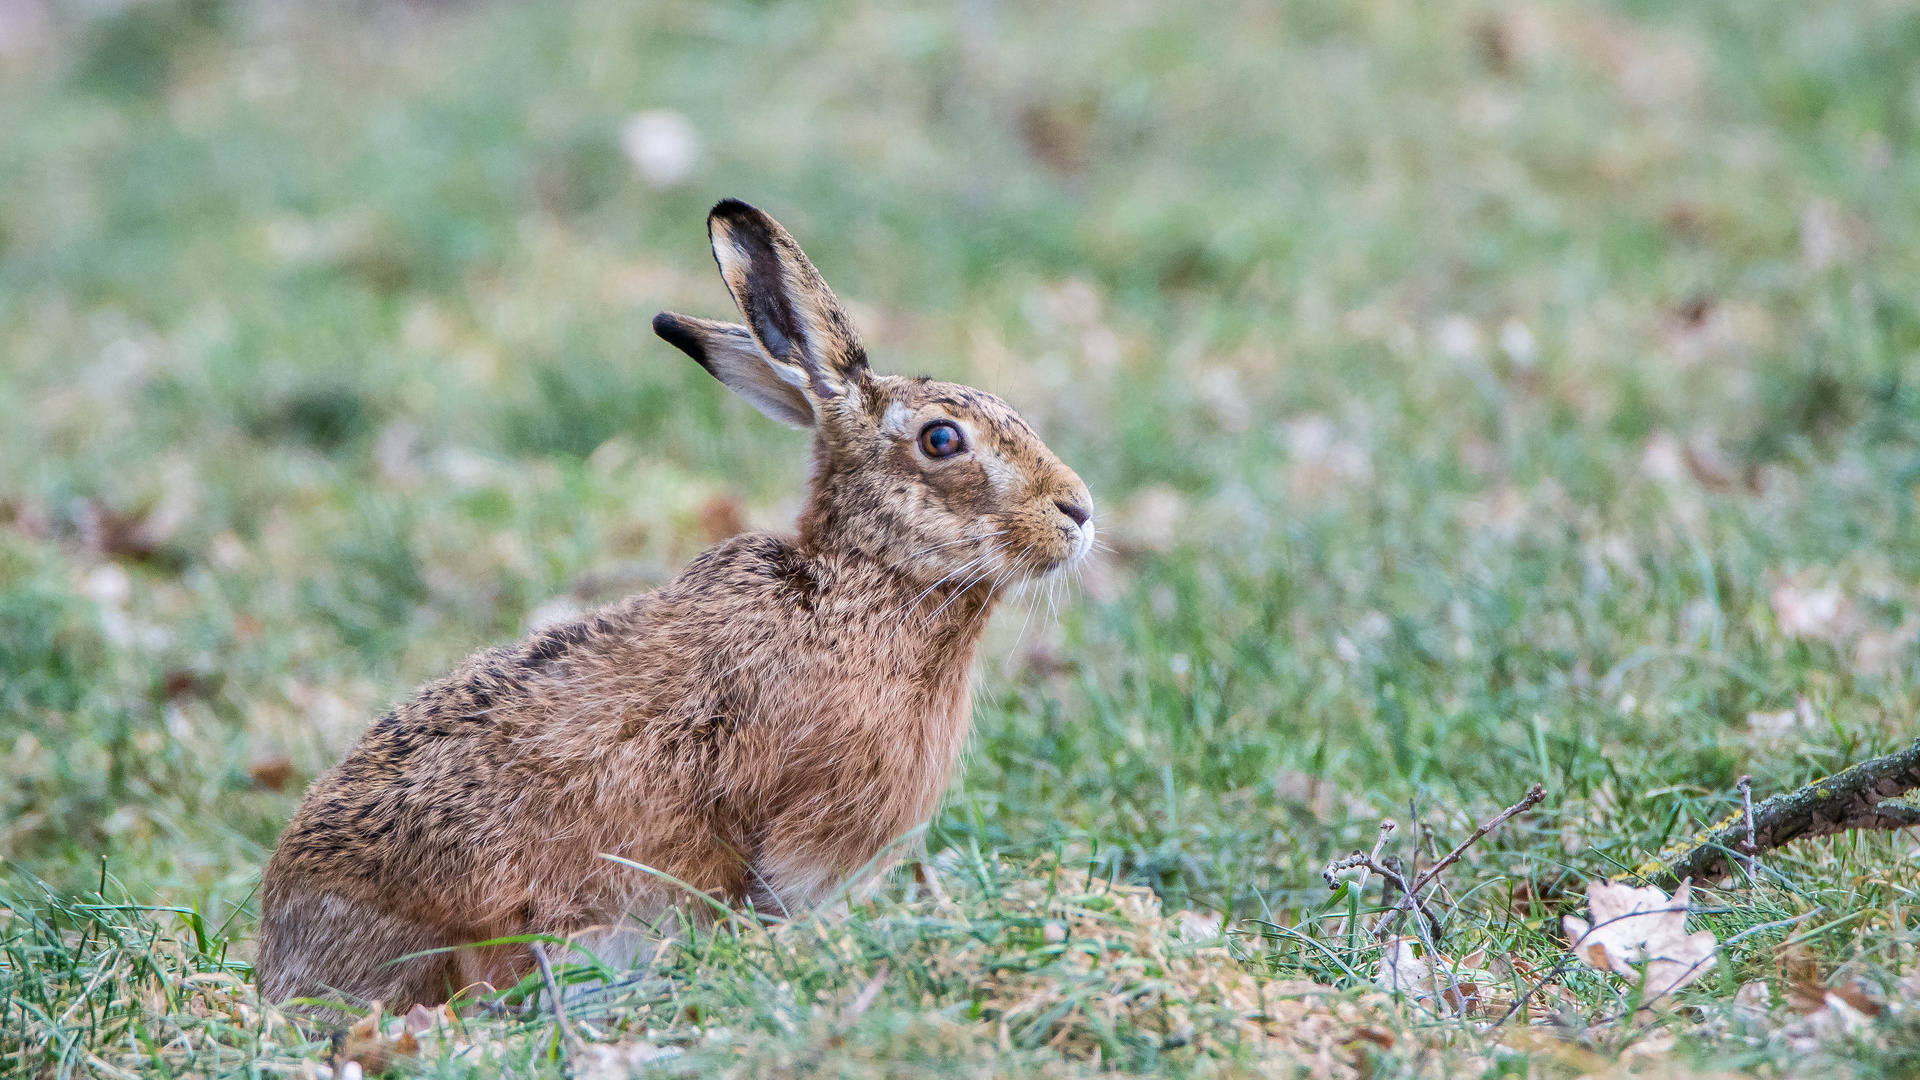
(854, 804)
(949, 718)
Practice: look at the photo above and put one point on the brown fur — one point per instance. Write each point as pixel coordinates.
(760, 728)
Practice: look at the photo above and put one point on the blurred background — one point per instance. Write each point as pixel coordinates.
(1473, 392)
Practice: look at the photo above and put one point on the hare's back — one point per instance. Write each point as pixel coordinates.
(436, 779)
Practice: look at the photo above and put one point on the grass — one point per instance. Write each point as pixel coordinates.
(1475, 394)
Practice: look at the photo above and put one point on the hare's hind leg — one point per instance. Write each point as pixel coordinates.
(330, 947)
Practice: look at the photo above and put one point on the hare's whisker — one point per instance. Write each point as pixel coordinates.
(962, 540)
(955, 595)
(962, 591)
(949, 576)
(1021, 637)
(963, 568)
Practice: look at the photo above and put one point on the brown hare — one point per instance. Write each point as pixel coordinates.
(760, 728)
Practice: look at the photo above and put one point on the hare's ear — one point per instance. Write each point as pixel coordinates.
(729, 353)
(792, 313)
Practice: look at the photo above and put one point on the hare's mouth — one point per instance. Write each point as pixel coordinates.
(1071, 549)
(1083, 544)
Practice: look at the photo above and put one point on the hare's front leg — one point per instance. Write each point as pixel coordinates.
(802, 876)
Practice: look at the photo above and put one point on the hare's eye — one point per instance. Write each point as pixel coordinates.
(941, 439)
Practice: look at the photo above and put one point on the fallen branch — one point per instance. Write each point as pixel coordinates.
(1867, 796)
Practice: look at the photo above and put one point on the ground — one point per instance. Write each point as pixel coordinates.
(1473, 394)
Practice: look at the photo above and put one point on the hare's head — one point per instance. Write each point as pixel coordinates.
(939, 480)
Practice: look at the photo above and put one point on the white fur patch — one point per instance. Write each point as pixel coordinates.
(798, 883)
(1001, 473)
(620, 948)
(898, 419)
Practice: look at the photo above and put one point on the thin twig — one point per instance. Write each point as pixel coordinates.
(1775, 925)
(1433, 850)
(864, 1000)
(1646, 1003)
(1392, 918)
(1747, 845)
(1527, 802)
(1397, 878)
(1427, 927)
(567, 1038)
(1428, 924)
(1419, 826)
(1568, 959)
(1363, 861)
(1521, 1002)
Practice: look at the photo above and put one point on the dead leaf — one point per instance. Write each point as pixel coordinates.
(364, 1045)
(1198, 926)
(1806, 612)
(1800, 971)
(1433, 977)
(1754, 1000)
(1835, 1019)
(114, 533)
(1708, 464)
(1857, 998)
(1768, 726)
(273, 773)
(1379, 1037)
(1641, 933)
(1886, 652)
(1402, 970)
(1059, 133)
(1462, 998)
(620, 1060)
(720, 518)
(139, 534)
(420, 1019)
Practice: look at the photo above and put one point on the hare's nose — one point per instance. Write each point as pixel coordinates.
(1077, 513)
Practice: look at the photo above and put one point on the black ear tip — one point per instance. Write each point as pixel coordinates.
(674, 331)
(736, 213)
